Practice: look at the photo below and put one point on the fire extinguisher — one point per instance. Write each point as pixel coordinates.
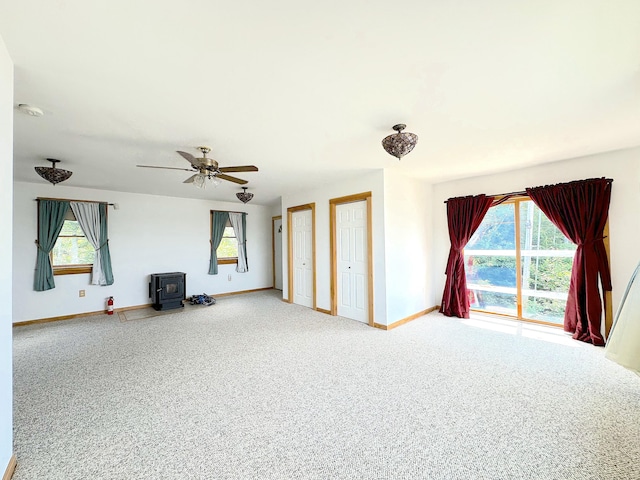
(110, 306)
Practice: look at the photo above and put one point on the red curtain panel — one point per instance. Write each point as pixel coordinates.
(464, 215)
(580, 210)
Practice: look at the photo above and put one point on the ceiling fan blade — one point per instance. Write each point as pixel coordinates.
(231, 179)
(188, 157)
(243, 168)
(191, 178)
(167, 168)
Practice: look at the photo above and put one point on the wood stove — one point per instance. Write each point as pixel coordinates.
(167, 290)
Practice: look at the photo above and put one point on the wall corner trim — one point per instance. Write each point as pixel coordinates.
(11, 467)
(402, 321)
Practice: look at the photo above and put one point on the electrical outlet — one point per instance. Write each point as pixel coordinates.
(81, 293)
(229, 277)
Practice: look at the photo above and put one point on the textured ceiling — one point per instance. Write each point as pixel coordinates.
(307, 90)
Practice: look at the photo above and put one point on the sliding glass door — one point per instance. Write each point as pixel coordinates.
(519, 264)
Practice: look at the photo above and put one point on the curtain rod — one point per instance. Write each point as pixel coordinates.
(72, 200)
(510, 194)
(514, 194)
(229, 211)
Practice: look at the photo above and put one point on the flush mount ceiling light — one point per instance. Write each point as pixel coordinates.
(401, 143)
(243, 196)
(30, 110)
(53, 174)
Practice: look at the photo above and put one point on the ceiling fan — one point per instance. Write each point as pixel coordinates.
(207, 168)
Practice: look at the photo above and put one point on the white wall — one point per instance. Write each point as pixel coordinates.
(147, 234)
(277, 209)
(369, 182)
(408, 241)
(624, 213)
(6, 212)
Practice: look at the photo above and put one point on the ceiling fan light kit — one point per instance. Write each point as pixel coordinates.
(244, 196)
(401, 143)
(53, 174)
(200, 180)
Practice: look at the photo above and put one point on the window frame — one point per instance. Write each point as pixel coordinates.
(515, 201)
(224, 260)
(71, 269)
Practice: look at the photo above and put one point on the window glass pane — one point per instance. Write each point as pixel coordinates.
(229, 233)
(70, 228)
(490, 262)
(547, 258)
(72, 250)
(228, 248)
(497, 230)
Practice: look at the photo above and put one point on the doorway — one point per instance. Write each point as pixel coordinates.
(276, 244)
(351, 257)
(301, 255)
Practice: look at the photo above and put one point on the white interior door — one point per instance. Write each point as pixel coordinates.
(302, 258)
(352, 260)
(277, 253)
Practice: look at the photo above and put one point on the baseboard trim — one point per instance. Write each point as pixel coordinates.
(56, 319)
(322, 310)
(406, 319)
(123, 309)
(242, 291)
(11, 467)
(78, 315)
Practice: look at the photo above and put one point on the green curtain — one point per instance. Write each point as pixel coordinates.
(104, 246)
(51, 214)
(244, 241)
(218, 224)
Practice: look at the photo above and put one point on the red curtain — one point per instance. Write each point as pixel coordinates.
(580, 210)
(464, 215)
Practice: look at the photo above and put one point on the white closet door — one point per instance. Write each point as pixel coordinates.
(352, 260)
(302, 258)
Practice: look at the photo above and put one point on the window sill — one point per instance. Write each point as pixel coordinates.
(227, 261)
(72, 269)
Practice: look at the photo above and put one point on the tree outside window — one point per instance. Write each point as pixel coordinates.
(518, 263)
(227, 251)
(72, 252)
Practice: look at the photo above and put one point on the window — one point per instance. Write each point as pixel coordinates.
(519, 264)
(72, 252)
(63, 248)
(227, 251)
(228, 242)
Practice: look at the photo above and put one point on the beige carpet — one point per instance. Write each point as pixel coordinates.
(253, 388)
(150, 312)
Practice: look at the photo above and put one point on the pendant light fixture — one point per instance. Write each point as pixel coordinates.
(401, 143)
(244, 196)
(53, 174)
